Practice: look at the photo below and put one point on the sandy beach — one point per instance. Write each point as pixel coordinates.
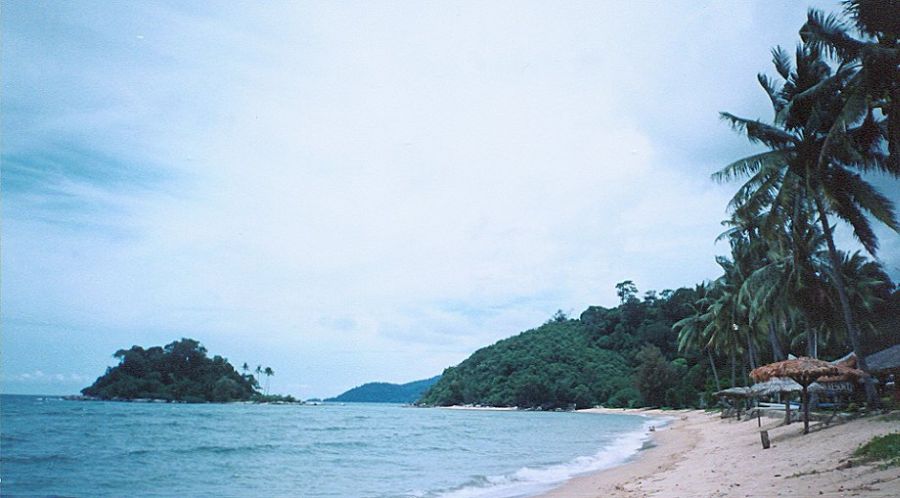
(700, 454)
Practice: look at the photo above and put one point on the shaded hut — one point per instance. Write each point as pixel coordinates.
(783, 387)
(886, 361)
(886, 365)
(737, 395)
(803, 371)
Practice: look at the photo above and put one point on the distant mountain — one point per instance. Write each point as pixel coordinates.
(384, 392)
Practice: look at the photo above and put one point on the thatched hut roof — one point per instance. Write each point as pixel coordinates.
(845, 374)
(781, 385)
(735, 392)
(775, 385)
(803, 370)
(886, 359)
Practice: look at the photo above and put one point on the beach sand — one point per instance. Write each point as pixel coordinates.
(702, 455)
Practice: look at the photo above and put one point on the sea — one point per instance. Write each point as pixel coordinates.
(56, 447)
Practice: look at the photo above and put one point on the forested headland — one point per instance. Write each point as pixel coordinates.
(786, 287)
(386, 392)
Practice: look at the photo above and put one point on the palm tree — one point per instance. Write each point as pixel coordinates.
(816, 154)
(269, 372)
(259, 371)
(874, 57)
(692, 329)
(788, 288)
(724, 314)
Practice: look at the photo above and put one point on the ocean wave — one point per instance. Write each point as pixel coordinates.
(530, 481)
(52, 458)
(219, 450)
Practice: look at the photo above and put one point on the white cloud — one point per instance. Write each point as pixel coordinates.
(40, 377)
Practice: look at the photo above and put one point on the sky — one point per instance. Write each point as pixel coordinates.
(358, 191)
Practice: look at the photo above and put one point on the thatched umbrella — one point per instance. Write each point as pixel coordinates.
(781, 386)
(804, 371)
(737, 394)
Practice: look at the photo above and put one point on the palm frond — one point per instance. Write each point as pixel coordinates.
(759, 132)
(750, 165)
(773, 91)
(867, 197)
(782, 62)
(829, 33)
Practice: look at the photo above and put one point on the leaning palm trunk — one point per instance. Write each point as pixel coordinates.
(751, 354)
(712, 364)
(852, 330)
(777, 353)
(733, 370)
(812, 343)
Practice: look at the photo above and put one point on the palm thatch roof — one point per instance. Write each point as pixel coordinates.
(735, 392)
(803, 370)
(886, 359)
(775, 385)
(845, 374)
(781, 385)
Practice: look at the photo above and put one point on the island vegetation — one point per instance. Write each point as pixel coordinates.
(180, 371)
(785, 288)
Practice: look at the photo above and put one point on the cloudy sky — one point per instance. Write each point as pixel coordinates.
(350, 192)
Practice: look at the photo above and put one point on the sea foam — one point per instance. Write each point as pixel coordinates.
(528, 481)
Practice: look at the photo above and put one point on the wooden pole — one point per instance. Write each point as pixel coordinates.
(787, 409)
(758, 421)
(805, 409)
(764, 438)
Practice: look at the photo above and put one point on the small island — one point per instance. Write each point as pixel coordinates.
(179, 372)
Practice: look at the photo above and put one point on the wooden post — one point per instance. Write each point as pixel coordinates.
(787, 409)
(805, 409)
(758, 421)
(764, 437)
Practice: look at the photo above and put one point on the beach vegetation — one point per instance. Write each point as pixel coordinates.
(834, 125)
(884, 448)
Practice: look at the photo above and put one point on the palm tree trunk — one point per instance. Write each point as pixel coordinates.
(733, 369)
(812, 343)
(751, 353)
(777, 352)
(712, 364)
(852, 330)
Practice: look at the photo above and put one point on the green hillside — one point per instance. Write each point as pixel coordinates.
(630, 355)
(583, 362)
(384, 392)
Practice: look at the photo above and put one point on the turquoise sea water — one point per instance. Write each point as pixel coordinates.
(53, 447)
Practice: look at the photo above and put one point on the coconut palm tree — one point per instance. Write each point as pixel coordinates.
(873, 55)
(692, 329)
(726, 315)
(788, 287)
(269, 372)
(816, 154)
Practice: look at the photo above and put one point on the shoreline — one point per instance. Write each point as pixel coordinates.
(699, 454)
